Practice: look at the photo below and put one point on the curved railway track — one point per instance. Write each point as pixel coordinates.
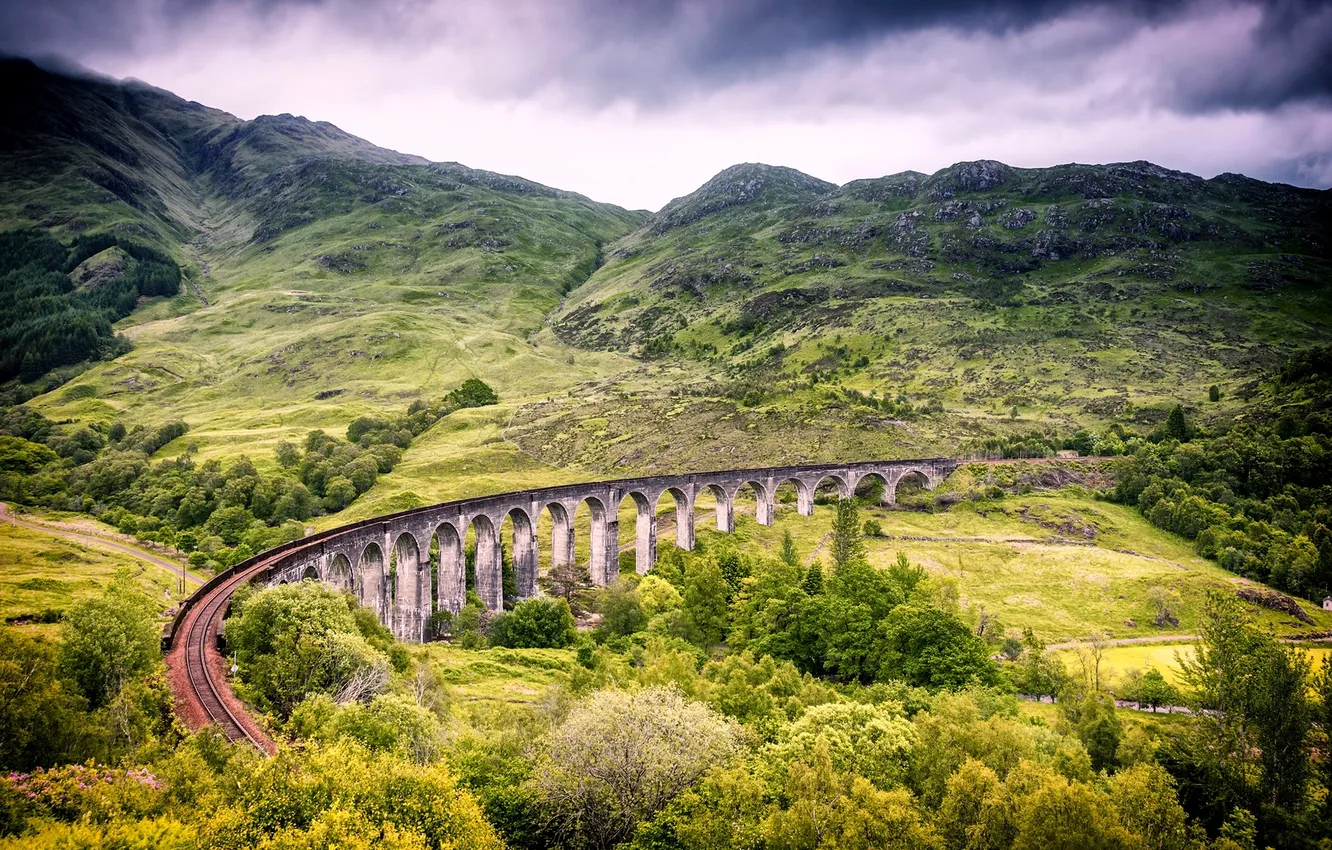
(197, 668)
(203, 661)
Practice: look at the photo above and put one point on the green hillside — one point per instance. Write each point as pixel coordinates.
(767, 317)
(1075, 294)
(323, 276)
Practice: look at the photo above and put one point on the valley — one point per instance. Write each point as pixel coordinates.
(259, 348)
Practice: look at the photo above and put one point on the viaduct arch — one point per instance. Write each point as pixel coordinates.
(385, 561)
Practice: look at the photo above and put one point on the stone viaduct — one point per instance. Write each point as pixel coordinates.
(385, 562)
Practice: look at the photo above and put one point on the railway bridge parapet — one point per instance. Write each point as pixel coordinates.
(386, 561)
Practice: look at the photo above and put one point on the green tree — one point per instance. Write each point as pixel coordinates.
(1056, 814)
(906, 575)
(108, 640)
(657, 595)
(342, 795)
(934, 649)
(287, 455)
(40, 716)
(871, 741)
(362, 473)
(338, 493)
(1214, 393)
(572, 583)
(850, 618)
(705, 602)
(296, 640)
(976, 812)
(1148, 806)
(621, 607)
(393, 723)
(229, 523)
(619, 758)
(788, 552)
(846, 544)
(544, 622)
(1091, 716)
(1250, 732)
(1177, 425)
(1154, 691)
(813, 584)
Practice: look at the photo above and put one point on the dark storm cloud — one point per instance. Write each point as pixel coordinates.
(581, 93)
(1290, 60)
(655, 54)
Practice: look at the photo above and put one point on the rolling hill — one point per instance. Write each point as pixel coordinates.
(1073, 295)
(767, 316)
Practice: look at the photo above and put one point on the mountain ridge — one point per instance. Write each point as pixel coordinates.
(1074, 294)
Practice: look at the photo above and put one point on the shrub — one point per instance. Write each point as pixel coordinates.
(542, 623)
(295, 640)
(108, 640)
(619, 758)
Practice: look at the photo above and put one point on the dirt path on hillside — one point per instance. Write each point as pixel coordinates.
(97, 540)
(1071, 644)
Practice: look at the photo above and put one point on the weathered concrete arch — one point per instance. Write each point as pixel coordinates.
(561, 533)
(489, 569)
(844, 489)
(604, 534)
(725, 505)
(411, 589)
(860, 479)
(892, 489)
(804, 495)
(339, 572)
(452, 591)
(310, 573)
(645, 531)
(763, 499)
(372, 568)
(524, 552)
(684, 516)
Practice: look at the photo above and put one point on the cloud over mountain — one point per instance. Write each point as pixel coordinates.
(585, 93)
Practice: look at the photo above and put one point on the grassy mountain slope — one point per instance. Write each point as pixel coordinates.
(1077, 294)
(340, 277)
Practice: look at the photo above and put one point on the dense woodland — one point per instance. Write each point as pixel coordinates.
(218, 513)
(47, 321)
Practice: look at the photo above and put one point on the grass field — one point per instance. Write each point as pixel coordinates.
(1062, 591)
(1118, 660)
(514, 676)
(40, 572)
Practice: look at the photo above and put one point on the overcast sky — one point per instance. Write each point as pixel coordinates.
(636, 103)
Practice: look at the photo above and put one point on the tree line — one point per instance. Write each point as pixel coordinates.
(46, 322)
(1255, 495)
(219, 514)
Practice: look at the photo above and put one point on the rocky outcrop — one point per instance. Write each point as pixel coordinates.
(739, 185)
(100, 268)
(1274, 601)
